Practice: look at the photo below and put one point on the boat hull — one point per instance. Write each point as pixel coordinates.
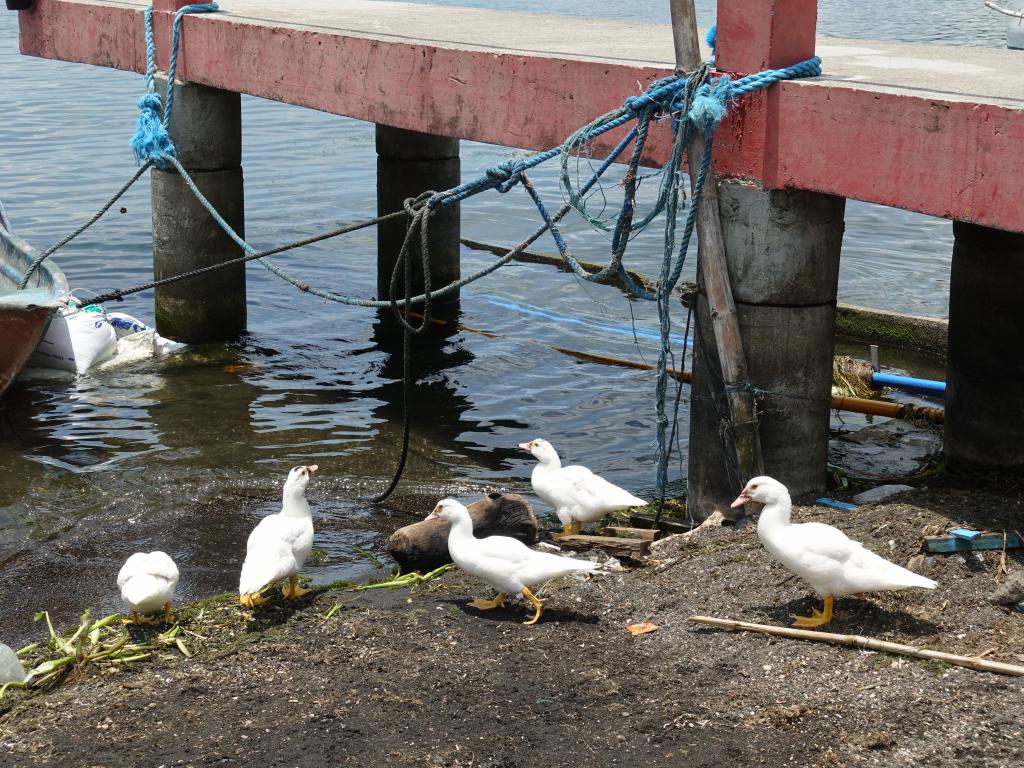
(24, 314)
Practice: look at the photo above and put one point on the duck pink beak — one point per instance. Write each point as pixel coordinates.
(526, 447)
(742, 499)
(312, 468)
(433, 515)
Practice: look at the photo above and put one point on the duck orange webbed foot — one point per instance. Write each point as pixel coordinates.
(293, 589)
(817, 618)
(253, 600)
(487, 605)
(139, 619)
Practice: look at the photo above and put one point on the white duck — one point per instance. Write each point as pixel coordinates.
(820, 554)
(11, 670)
(147, 581)
(279, 545)
(505, 563)
(577, 494)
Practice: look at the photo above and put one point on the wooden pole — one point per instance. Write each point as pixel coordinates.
(859, 641)
(714, 269)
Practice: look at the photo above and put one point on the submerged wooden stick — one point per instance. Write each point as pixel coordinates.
(859, 641)
(714, 269)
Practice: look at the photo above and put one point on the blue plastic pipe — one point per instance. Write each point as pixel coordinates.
(639, 332)
(910, 384)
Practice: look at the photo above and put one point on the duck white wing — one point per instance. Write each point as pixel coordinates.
(503, 548)
(147, 581)
(868, 572)
(276, 549)
(541, 566)
(503, 553)
(594, 497)
(11, 670)
(151, 563)
(508, 564)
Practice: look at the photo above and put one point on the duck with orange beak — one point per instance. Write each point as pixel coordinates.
(278, 547)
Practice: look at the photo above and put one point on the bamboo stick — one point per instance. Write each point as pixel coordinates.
(714, 269)
(859, 641)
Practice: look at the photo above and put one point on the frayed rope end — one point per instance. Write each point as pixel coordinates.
(151, 140)
(710, 103)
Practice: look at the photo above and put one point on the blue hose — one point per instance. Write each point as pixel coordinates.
(910, 384)
(623, 330)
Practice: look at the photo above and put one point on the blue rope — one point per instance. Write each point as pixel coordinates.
(692, 103)
(152, 142)
(695, 103)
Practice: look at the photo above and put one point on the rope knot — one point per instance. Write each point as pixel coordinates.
(506, 175)
(151, 140)
(710, 103)
(636, 103)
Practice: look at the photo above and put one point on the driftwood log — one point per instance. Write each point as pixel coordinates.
(423, 546)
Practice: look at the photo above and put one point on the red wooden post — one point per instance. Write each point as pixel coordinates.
(753, 36)
(163, 19)
(764, 34)
(169, 6)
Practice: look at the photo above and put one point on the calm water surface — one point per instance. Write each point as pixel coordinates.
(187, 455)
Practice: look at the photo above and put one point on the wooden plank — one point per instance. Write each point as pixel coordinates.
(983, 541)
(629, 548)
(646, 534)
(715, 272)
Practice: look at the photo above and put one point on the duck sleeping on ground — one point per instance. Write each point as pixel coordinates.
(147, 581)
(821, 555)
(505, 563)
(11, 670)
(577, 494)
(279, 545)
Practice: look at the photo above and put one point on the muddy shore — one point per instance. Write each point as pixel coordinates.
(418, 678)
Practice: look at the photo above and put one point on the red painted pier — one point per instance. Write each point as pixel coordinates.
(933, 129)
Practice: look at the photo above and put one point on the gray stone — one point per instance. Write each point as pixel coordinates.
(874, 495)
(1010, 591)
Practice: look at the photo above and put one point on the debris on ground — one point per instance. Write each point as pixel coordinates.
(415, 676)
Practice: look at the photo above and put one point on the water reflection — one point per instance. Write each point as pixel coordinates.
(187, 454)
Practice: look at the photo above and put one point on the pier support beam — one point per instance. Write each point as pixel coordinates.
(408, 163)
(985, 366)
(782, 249)
(206, 128)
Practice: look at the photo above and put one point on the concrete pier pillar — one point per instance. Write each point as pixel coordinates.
(985, 363)
(408, 163)
(206, 128)
(783, 255)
